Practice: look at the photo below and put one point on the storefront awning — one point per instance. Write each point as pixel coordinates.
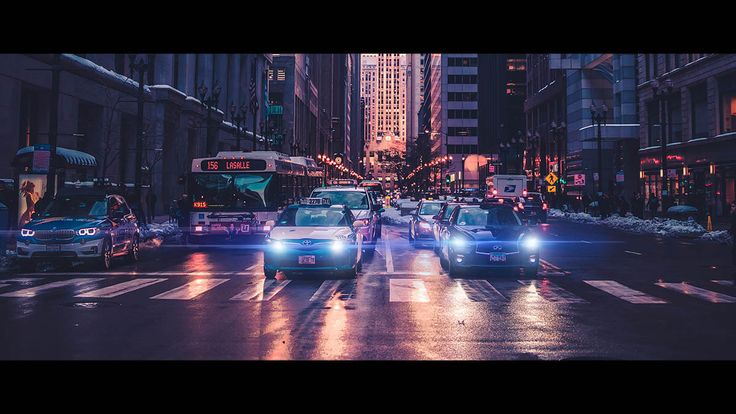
(65, 158)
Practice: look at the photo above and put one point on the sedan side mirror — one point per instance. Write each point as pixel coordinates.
(435, 217)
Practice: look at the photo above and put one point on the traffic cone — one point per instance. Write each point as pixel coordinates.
(710, 224)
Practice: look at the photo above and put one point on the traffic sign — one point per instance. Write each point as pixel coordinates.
(551, 189)
(579, 179)
(551, 178)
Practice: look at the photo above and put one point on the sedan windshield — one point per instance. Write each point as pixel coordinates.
(430, 209)
(354, 200)
(77, 206)
(313, 217)
(494, 216)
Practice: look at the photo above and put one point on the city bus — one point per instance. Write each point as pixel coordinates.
(236, 193)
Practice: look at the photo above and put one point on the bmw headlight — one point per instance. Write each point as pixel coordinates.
(530, 243)
(27, 232)
(337, 246)
(90, 231)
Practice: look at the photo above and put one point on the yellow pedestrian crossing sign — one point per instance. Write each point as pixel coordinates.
(551, 178)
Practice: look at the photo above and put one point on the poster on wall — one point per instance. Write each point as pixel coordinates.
(32, 187)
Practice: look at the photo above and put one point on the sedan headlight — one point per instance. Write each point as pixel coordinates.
(27, 232)
(277, 246)
(337, 246)
(530, 243)
(90, 231)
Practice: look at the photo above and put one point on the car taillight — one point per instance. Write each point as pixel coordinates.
(544, 206)
(521, 206)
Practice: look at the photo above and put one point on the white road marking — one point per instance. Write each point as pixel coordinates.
(251, 268)
(254, 291)
(190, 290)
(548, 264)
(630, 252)
(551, 292)
(480, 290)
(699, 293)
(23, 279)
(387, 248)
(326, 290)
(120, 288)
(623, 292)
(724, 282)
(33, 291)
(272, 289)
(149, 274)
(2, 285)
(585, 241)
(407, 290)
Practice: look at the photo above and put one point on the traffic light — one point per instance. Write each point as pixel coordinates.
(447, 179)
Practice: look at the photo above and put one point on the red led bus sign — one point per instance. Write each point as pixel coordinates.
(233, 165)
(199, 204)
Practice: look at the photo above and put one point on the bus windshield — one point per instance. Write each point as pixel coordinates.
(235, 191)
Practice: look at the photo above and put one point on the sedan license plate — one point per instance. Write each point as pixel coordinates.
(533, 213)
(53, 247)
(498, 257)
(307, 260)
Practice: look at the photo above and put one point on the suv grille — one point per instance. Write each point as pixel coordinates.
(55, 234)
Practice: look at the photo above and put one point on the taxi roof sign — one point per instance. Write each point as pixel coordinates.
(344, 181)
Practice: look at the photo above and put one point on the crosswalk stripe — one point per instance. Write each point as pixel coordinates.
(33, 291)
(624, 292)
(326, 290)
(273, 289)
(120, 288)
(190, 290)
(698, 292)
(23, 279)
(551, 292)
(480, 290)
(2, 285)
(407, 290)
(254, 291)
(724, 282)
(173, 273)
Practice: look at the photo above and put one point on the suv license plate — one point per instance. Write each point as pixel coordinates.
(53, 247)
(307, 260)
(498, 257)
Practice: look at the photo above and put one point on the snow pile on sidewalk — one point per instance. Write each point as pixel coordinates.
(159, 230)
(392, 216)
(660, 226)
(720, 236)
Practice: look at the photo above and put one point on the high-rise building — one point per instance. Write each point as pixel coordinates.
(383, 88)
(688, 102)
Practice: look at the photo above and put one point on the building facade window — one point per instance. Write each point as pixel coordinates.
(699, 106)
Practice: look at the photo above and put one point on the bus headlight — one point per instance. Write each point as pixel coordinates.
(337, 246)
(530, 243)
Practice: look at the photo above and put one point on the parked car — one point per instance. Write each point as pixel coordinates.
(80, 224)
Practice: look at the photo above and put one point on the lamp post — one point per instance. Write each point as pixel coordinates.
(237, 117)
(598, 116)
(210, 102)
(532, 140)
(141, 67)
(661, 93)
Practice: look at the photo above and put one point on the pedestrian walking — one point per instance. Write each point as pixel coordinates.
(623, 206)
(151, 204)
(653, 205)
(185, 207)
(586, 202)
(134, 202)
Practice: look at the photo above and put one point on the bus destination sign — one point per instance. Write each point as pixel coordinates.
(233, 165)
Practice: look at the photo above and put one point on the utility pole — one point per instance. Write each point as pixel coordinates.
(141, 67)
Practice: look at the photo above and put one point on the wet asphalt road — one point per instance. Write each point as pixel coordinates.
(600, 294)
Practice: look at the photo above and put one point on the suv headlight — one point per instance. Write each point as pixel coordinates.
(530, 243)
(460, 244)
(90, 231)
(27, 232)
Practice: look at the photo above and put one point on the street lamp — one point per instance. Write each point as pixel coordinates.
(237, 119)
(558, 135)
(140, 66)
(598, 115)
(661, 93)
(209, 102)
